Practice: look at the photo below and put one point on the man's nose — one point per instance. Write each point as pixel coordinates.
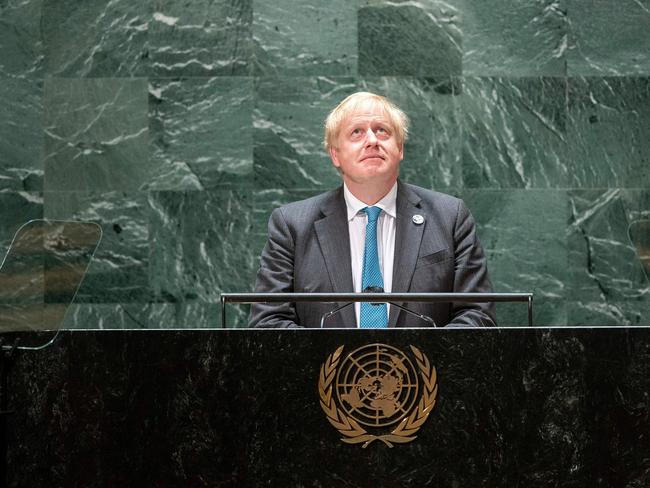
(371, 138)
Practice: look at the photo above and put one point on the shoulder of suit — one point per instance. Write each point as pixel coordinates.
(433, 197)
(312, 205)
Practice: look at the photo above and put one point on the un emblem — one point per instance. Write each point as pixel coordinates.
(376, 393)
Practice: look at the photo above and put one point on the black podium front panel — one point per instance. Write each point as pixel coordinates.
(513, 408)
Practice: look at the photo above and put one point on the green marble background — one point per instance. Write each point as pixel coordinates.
(180, 126)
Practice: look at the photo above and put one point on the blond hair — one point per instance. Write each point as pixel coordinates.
(398, 119)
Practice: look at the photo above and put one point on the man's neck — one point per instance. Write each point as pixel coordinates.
(369, 194)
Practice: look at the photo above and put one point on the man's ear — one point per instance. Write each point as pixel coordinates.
(335, 157)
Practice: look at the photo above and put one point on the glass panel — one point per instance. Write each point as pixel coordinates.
(640, 237)
(41, 273)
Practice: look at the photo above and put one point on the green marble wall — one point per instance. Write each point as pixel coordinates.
(179, 126)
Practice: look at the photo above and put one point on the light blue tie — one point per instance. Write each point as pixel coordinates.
(372, 316)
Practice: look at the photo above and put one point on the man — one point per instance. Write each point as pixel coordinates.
(373, 233)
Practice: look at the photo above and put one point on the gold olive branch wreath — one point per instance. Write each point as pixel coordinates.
(350, 428)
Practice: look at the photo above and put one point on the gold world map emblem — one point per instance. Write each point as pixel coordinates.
(374, 388)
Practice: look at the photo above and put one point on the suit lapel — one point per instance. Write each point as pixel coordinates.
(408, 237)
(333, 236)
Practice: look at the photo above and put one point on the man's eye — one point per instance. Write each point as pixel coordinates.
(356, 132)
(381, 130)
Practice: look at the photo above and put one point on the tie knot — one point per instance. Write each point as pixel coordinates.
(373, 213)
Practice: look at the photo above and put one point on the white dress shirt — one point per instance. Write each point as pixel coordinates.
(357, 221)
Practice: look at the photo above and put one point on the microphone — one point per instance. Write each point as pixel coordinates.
(327, 315)
(373, 289)
(368, 289)
(379, 289)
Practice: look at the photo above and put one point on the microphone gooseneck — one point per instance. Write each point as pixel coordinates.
(379, 289)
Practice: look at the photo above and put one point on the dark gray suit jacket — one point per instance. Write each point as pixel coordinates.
(308, 250)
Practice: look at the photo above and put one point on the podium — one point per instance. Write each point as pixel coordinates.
(514, 407)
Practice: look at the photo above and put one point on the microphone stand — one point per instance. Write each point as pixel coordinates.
(426, 318)
(377, 289)
(327, 315)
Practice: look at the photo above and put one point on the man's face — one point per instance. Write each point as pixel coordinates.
(366, 150)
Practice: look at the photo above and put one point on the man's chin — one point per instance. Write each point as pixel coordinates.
(370, 177)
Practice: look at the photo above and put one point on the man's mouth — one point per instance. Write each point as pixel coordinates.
(372, 156)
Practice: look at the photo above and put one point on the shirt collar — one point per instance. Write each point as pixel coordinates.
(388, 203)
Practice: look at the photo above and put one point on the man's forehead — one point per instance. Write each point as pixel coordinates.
(367, 112)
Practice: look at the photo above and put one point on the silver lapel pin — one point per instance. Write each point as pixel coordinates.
(418, 219)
